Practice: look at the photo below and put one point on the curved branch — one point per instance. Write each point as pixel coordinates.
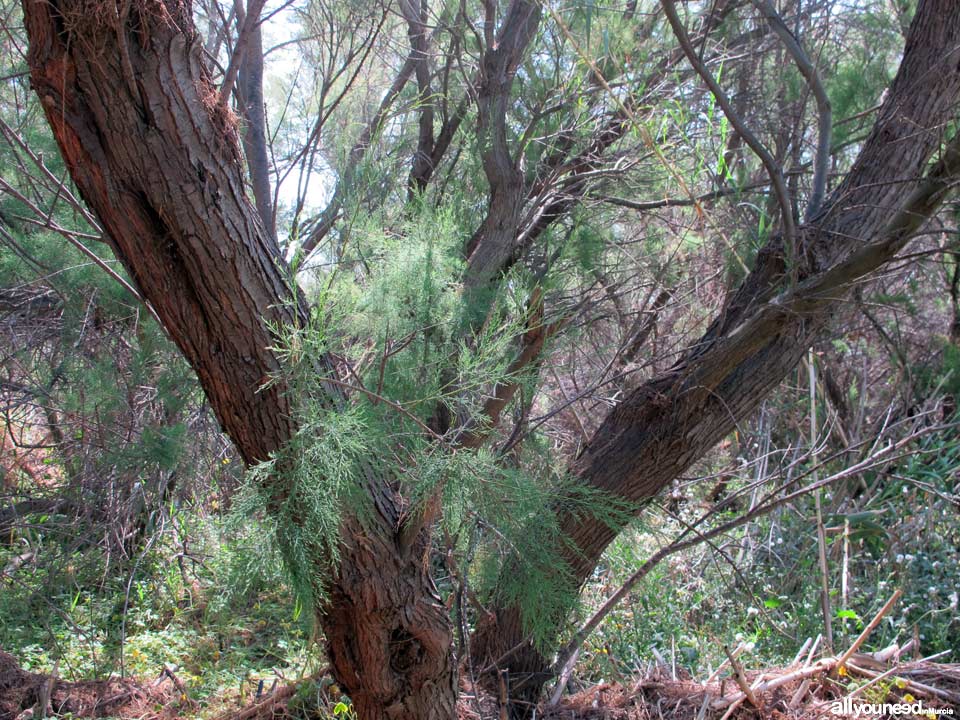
(773, 169)
(821, 163)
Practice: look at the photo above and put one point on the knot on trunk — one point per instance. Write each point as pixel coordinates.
(406, 651)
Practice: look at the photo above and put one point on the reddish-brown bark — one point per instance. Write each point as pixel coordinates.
(135, 113)
(157, 157)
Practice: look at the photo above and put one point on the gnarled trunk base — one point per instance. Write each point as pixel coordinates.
(389, 636)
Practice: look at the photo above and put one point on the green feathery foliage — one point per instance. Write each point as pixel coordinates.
(422, 349)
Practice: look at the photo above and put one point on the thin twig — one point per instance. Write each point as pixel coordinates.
(770, 165)
(869, 628)
(821, 164)
(386, 401)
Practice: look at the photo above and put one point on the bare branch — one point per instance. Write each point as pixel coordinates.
(821, 164)
(773, 169)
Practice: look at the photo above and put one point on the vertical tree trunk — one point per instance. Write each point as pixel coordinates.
(389, 635)
(157, 156)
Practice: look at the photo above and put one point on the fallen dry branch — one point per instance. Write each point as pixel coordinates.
(804, 690)
(871, 626)
(265, 709)
(741, 679)
(805, 693)
(942, 675)
(944, 688)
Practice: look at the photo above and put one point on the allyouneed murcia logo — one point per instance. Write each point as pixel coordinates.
(847, 706)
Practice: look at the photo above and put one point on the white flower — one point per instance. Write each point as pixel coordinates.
(752, 611)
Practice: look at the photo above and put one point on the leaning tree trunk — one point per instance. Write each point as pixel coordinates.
(154, 150)
(664, 426)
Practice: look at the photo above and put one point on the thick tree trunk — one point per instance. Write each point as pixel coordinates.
(389, 636)
(156, 155)
(664, 426)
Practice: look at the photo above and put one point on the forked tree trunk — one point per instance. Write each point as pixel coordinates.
(156, 154)
(661, 428)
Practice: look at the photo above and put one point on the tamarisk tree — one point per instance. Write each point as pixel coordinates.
(540, 128)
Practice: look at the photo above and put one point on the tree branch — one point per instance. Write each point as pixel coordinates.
(773, 170)
(247, 25)
(821, 164)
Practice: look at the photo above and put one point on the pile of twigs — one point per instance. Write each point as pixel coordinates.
(832, 686)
